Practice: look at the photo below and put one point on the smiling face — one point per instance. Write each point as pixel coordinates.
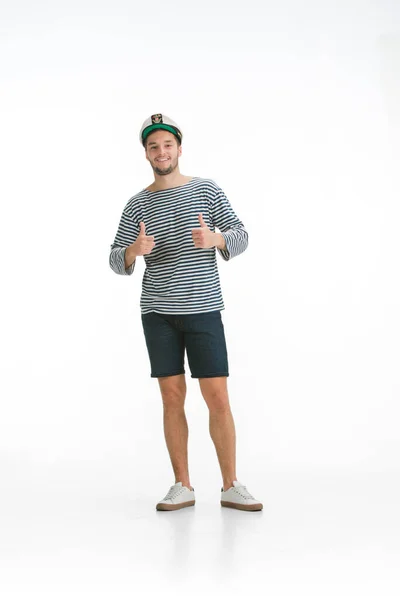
(162, 151)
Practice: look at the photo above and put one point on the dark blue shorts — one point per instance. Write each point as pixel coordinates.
(201, 335)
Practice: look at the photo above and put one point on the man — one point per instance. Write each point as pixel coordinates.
(171, 223)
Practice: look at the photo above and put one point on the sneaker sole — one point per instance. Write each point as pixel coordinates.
(161, 506)
(241, 506)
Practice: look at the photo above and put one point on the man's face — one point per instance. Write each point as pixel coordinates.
(162, 151)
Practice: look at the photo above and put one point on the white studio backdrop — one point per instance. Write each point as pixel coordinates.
(293, 109)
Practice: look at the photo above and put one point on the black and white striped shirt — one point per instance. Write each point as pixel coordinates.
(179, 278)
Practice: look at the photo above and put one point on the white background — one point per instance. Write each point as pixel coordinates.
(293, 109)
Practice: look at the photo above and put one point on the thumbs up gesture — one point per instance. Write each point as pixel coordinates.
(144, 244)
(203, 237)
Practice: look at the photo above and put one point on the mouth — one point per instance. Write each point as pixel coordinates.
(162, 160)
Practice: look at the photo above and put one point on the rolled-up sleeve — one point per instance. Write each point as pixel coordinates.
(230, 226)
(127, 232)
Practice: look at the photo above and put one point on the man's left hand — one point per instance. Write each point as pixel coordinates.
(203, 237)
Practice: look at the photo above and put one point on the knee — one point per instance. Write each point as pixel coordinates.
(173, 391)
(217, 402)
(173, 399)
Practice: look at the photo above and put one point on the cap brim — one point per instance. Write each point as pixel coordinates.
(152, 128)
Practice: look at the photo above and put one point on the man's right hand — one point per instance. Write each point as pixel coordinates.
(144, 244)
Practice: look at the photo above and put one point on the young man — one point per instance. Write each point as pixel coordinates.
(171, 223)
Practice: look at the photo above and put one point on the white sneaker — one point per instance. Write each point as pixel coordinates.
(178, 497)
(239, 497)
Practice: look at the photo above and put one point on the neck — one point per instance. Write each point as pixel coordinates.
(162, 182)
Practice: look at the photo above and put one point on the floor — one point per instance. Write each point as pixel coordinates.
(70, 532)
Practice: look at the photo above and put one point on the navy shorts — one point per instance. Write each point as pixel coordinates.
(201, 335)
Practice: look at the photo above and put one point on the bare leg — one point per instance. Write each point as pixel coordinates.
(173, 392)
(222, 426)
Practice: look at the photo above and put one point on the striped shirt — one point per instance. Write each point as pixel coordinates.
(179, 278)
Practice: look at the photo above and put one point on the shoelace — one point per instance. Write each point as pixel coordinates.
(173, 492)
(246, 494)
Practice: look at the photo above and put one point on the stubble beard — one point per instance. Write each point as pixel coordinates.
(167, 170)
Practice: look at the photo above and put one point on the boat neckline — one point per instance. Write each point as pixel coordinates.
(169, 189)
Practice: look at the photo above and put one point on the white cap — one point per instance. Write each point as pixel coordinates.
(159, 121)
